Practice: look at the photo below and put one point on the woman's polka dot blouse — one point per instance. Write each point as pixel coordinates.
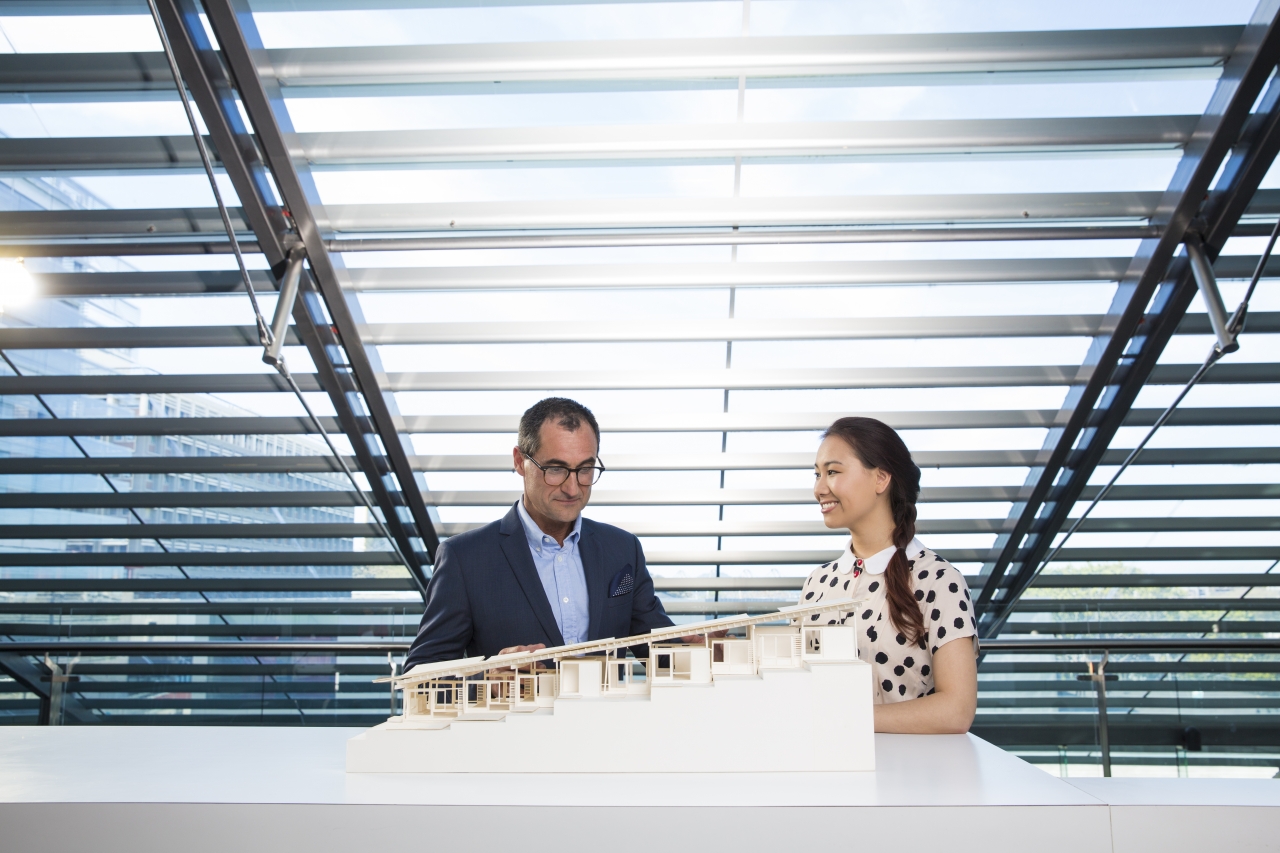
(902, 670)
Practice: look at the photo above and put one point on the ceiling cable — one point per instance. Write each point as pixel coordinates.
(272, 343)
(1226, 343)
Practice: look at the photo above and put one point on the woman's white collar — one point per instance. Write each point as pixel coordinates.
(876, 563)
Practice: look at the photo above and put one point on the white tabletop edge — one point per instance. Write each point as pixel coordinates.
(180, 764)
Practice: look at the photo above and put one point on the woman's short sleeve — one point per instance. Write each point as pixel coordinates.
(948, 607)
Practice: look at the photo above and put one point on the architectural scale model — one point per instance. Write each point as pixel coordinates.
(764, 702)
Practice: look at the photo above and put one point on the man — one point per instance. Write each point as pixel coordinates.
(543, 575)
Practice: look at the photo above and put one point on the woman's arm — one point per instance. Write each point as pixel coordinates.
(950, 709)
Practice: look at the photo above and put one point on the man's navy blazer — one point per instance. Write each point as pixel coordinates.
(485, 594)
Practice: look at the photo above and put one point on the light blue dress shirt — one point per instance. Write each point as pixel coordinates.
(560, 570)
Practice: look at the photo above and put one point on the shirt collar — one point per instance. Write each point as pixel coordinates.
(876, 563)
(537, 539)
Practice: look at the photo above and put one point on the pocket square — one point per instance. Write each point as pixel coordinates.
(623, 582)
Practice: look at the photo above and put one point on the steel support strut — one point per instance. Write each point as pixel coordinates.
(242, 51)
(255, 158)
(1150, 301)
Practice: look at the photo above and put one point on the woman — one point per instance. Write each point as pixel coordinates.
(917, 627)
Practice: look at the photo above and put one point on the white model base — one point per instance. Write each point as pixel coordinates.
(782, 720)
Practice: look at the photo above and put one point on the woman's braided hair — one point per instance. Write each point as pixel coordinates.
(877, 445)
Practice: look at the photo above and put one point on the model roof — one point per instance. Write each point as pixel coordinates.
(470, 666)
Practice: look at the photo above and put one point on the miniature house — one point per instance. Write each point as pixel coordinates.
(827, 643)
(776, 648)
(555, 709)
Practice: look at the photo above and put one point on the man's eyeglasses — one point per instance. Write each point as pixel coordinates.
(554, 475)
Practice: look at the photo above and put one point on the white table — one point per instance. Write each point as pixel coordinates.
(107, 789)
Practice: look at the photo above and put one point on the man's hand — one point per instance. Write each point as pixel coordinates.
(511, 650)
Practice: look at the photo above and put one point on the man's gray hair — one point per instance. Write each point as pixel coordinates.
(566, 413)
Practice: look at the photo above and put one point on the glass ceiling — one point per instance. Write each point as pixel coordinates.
(619, 149)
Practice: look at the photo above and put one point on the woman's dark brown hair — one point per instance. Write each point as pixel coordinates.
(877, 446)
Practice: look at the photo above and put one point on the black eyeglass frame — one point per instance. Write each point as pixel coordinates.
(545, 469)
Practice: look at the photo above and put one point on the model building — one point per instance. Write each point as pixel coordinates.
(763, 701)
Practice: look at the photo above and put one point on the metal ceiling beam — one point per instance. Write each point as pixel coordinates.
(987, 688)
(267, 531)
(104, 694)
(156, 223)
(1028, 271)
(937, 56)
(158, 683)
(925, 526)
(1222, 665)
(1005, 210)
(178, 383)
(1101, 626)
(162, 284)
(141, 500)
(760, 57)
(967, 555)
(220, 648)
(83, 629)
(244, 585)
(832, 219)
(412, 607)
(924, 458)
(740, 379)
(179, 667)
(1123, 361)
(1131, 646)
(106, 648)
(642, 422)
(762, 380)
(285, 630)
(746, 140)
(228, 607)
(938, 494)
(203, 245)
(328, 530)
(1125, 605)
(188, 559)
(194, 586)
(1153, 705)
(780, 329)
(163, 232)
(673, 497)
(762, 274)
(1126, 684)
(211, 244)
(323, 314)
(685, 422)
(600, 276)
(405, 334)
(131, 337)
(124, 465)
(845, 140)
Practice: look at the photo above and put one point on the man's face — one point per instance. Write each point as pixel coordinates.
(558, 446)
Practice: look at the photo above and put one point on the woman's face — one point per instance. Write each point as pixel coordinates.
(846, 490)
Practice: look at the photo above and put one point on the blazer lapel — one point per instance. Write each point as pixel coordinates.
(516, 548)
(597, 579)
